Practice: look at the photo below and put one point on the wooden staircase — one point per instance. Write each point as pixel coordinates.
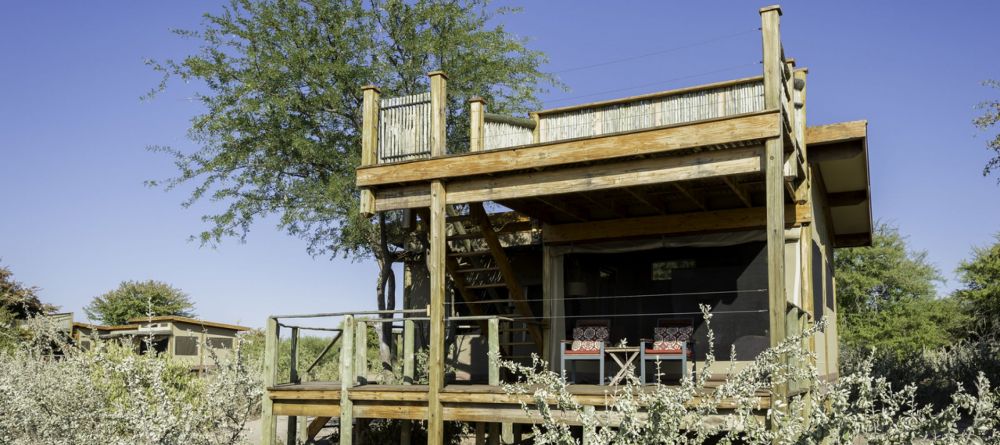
(484, 278)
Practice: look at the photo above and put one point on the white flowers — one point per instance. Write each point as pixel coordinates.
(110, 395)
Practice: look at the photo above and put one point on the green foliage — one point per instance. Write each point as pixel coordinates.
(136, 299)
(281, 131)
(17, 300)
(980, 293)
(886, 298)
(986, 122)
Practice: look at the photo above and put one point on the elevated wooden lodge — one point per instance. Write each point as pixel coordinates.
(628, 211)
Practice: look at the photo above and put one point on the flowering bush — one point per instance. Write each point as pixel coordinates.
(111, 395)
(855, 407)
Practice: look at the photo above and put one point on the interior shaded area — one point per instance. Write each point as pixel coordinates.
(634, 290)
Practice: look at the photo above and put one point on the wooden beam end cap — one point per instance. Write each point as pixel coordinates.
(436, 73)
(771, 8)
(370, 87)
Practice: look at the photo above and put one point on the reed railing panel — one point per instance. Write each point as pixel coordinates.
(404, 131)
(503, 134)
(653, 111)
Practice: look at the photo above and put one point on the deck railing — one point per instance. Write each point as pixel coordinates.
(652, 110)
(404, 130)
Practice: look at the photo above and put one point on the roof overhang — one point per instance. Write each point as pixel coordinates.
(840, 153)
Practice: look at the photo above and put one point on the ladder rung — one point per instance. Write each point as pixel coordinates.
(480, 269)
(465, 236)
(472, 253)
(485, 285)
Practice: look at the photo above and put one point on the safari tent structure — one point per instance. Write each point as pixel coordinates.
(187, 340)
(631, 210)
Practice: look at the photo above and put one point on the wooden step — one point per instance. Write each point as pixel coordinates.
(465, 236)
(479, 269)
(468, 254)
(485, 286)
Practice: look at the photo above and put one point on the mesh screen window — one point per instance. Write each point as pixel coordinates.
(185, 345)
(220, 343)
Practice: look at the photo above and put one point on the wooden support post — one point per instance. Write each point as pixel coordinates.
(477, 112)
(269, 423)
(361, 351)
(436, 267)
(493, 349)
(406, 427)
(369, 141)
(439, 112)
(347, 381)
(774, 160)
(536, 133)
(291, 429)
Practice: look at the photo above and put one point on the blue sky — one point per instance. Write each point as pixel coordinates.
(77, 219)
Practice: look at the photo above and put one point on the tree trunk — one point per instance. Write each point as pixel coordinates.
(385, 293)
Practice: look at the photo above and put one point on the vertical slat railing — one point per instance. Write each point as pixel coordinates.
(403, 128)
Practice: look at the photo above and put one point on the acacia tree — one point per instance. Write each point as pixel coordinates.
(980, 294)
(282, 86)
(989, 118)
(886, 297)
(17, 300)
(136, 299)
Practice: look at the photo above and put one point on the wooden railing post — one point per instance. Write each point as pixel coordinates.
(536, 133)
(477, 121)
(774, 183)
(439, 112)
(269, 423)
(493, 342)
(406, 427)
(436, 268)
(346, 381)
(369, 141)
(293, 377)
(361, 351)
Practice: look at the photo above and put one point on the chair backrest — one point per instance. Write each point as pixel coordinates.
(671, 332)
(588, 334)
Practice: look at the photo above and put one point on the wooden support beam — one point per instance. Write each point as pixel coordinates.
(698, 202)
(436, 266)
(406, 426)
(369, 142)
(746, 127)
(316, 426)
(477, 113)
(361, 351)
(439, 112)
(740, 193)
(774, 160)
(269, 423)
(838, 132)
(291, 429)
(605, 176)
(602, 176)
(569, 211)
(676, 224)
(659, 207)
(346, 380)
(852, 240)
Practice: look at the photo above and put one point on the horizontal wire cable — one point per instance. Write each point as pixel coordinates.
(618, 297)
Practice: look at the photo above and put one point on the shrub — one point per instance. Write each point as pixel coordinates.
(858, 406)
(111, 395)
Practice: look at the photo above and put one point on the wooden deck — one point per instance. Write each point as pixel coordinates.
(466, 403)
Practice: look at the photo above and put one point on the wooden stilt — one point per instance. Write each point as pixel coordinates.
(347, 360)
(291, 432)
(436, 266)
(269, 423)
